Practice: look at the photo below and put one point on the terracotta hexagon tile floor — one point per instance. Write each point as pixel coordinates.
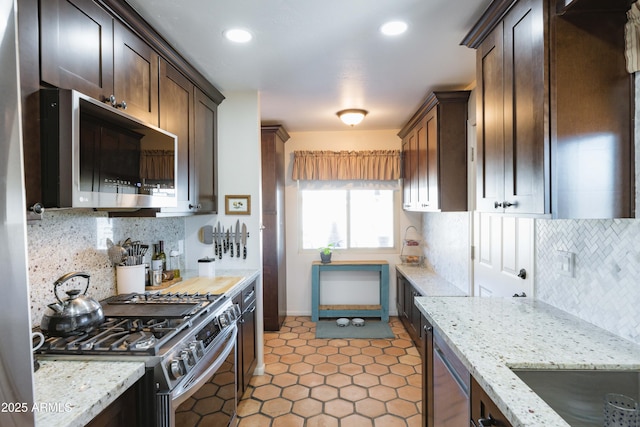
(311, 382)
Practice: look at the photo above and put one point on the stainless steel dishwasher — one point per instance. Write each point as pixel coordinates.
(451, 385)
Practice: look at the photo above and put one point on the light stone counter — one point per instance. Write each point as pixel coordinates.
(492, 335)
(428, 282)
(72, 393)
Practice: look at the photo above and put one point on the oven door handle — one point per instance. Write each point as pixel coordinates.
(199, 377)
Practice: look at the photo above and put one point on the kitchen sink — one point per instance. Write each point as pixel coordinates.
(578, 395)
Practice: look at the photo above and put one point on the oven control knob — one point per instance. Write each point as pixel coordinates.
(187, 359)
(195, 348)
(223, 321)
(176, 369)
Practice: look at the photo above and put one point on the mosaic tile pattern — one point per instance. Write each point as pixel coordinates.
(446, 245)
(605, 289)
(68, 240)
(334, 382)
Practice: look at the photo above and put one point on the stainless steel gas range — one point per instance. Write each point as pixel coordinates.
(185, 340)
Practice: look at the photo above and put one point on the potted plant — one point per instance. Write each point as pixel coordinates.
(325, 253)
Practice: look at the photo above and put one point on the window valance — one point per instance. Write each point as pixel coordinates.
(157, 164)
(632, 38)
(378, 165)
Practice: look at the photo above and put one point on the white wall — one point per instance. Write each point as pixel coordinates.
(299, 262)
(239, 173)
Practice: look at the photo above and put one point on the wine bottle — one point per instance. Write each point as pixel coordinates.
(162, 255)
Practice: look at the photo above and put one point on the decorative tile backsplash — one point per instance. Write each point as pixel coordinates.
(447, 242)
(75, 240)
(605, 289)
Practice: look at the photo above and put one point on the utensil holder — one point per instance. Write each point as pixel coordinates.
(130, 278)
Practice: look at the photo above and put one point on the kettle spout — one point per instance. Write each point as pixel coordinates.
(56, 306)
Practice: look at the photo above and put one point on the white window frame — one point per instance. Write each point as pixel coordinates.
(353, 185)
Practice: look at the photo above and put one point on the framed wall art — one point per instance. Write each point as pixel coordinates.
(237, 205)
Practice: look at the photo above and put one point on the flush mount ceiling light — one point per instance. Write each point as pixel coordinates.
(351, 116)
(393, 28)
(238, 35)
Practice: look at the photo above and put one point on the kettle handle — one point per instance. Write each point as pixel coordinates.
(68, 276)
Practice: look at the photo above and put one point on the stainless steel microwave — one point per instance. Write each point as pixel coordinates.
(95, 156)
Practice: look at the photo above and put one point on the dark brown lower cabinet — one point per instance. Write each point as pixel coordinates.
(483, 411)
(121, 413)
(246, 343)
(408, 312)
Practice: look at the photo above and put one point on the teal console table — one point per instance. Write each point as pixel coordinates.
(381, 310)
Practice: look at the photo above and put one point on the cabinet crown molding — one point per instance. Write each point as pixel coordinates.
(487, 22)
(435, 98)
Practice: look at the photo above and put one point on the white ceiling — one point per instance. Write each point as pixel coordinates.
(309, 59)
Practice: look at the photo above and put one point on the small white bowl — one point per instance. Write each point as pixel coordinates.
(357, 322)
(343, 321)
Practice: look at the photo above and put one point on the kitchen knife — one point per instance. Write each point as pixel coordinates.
(219, 228)
(226, 242)
(215, 240)
(231, 242)
(237, 238)
(244, 241)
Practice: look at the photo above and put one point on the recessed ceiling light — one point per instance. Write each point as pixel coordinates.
(393, 28)
(238, 35)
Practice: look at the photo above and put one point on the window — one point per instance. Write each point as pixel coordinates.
(350, 218)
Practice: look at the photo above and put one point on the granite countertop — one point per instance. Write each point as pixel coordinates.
(492, 335)
(78, 390)
(428, 282)
(72, 393)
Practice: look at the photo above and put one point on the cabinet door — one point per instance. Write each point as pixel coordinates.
(400, 280)
(248, 344)
(176, 116)
(76, 46)
(135, 67)
(406, 175)
(205, 153)
(526, 139)
(239, 350)
(483, 408)
(413, 168)
(490, 136)
(428, 138)
(427, 374)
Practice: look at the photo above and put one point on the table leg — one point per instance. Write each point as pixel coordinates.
(315, 292)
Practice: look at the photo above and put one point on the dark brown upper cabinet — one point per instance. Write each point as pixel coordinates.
(434, 150)
(103, 48)
(554, 109)
(135, 77)
(512, 133)
(83, 48)
(177, 116)
(205, 155)
(76, 39)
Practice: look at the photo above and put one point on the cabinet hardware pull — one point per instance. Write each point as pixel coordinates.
(508, 204)
(428, 328)
(486, 422)
(497, 205)
(114, 103)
